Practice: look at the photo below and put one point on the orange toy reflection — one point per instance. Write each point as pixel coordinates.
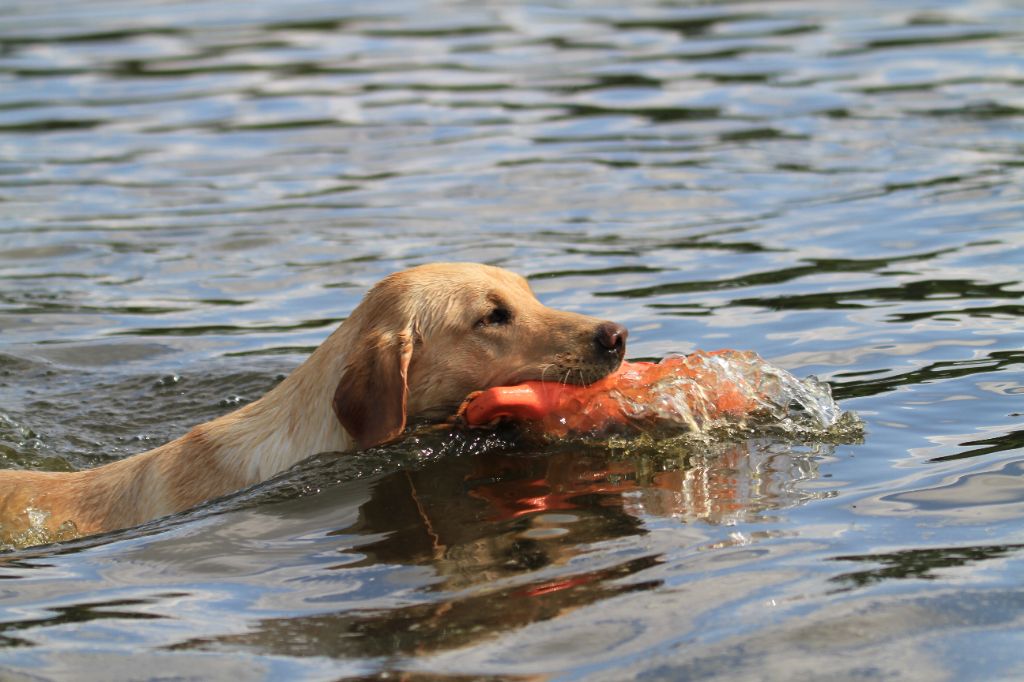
(711, 487)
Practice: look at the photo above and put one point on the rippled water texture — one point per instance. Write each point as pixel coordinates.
(193, 194)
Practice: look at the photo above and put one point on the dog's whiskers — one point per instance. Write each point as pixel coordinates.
(544, 370)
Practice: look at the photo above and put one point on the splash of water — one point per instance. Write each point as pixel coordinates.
(732, 391)
(33, 527)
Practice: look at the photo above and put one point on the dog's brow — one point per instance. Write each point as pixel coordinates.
(496, 299)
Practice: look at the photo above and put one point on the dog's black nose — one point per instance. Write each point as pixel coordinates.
(612, 337)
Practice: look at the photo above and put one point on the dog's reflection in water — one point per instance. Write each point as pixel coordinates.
(477, 519)
(498, 533)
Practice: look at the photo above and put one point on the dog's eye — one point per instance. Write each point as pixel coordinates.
(496, 317)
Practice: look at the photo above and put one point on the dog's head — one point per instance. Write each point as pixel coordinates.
(427, 337)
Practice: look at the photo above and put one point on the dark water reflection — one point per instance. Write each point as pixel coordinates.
(193, 194)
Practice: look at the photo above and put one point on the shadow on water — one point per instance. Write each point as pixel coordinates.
(918, 564)
(995, 361)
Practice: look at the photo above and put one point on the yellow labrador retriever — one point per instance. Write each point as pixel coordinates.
(419, 342)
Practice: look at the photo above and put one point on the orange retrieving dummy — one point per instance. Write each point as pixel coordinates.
(684, 391)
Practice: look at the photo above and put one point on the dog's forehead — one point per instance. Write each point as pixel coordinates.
(470, 280)
(500, 280)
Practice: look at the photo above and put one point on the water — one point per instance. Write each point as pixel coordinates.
(192, 195)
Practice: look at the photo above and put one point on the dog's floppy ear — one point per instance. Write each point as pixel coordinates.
(371, 396)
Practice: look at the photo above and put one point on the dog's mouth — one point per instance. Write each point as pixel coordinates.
(573, 373)
(585, 376)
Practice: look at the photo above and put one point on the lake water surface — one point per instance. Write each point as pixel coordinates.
(193, 194)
